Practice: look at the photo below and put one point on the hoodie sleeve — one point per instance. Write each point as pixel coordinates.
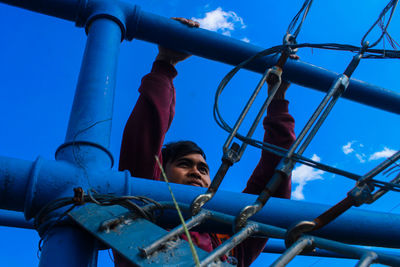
(148, 123)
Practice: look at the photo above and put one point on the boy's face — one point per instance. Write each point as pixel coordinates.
(190, 169)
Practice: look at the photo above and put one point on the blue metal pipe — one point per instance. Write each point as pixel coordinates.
(87, 140)
(14, 219)
(156, 29)
(14, 179)
(89, 128)
(63, 9)
(57, 179)
(68, 246)
(277, 246)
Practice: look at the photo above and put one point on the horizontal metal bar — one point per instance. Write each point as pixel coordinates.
(17, 219)
(14, 219)
(277, 246)
(160, 30)
(63, 9)
(376, 229)
(156, 29)
(361, 253)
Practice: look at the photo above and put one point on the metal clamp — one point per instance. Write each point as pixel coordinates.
(290, 39)
(274, 76)
(294, 233)
(245, 214)
(361, 194)
(270, 188)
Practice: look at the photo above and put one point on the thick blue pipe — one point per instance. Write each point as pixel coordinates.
(89, 128)
(68, 246)
(225, 49)
(14, 219)
(87, 139)
(277, 246)
(156, 29)
(57, 179)
(63, 9)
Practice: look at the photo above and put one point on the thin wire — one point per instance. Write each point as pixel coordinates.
(369, 53)
(389, 38)
(390, 6)
(304, 9)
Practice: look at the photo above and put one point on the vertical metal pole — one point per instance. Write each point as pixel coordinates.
(87, 138)
(68, 246)
(89, 128)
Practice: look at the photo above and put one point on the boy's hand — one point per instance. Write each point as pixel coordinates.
(172, 56)
(280, 94)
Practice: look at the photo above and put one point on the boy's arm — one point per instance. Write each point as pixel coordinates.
(148, 123)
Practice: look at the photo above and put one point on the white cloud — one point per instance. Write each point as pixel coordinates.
(361, 157)
(347, 149)
(245, 39)
(303, 174)
(219, 20)
(385, 153)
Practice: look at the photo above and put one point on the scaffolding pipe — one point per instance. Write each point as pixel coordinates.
(87, 140)
(277, 246)
(375, 229)
(149, 27)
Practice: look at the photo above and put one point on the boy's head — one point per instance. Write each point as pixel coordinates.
(184, 162)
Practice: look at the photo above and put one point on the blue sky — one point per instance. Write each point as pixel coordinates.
(41, 57)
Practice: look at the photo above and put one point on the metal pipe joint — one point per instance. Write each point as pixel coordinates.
(124, 14)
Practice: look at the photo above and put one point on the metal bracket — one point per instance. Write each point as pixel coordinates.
(127, 235)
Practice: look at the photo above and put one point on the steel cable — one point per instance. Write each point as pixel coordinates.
(304, 10)
(390, 6)
(369, 53)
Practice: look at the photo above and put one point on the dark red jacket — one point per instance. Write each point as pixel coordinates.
(150, 120)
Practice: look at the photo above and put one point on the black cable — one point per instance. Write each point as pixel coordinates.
(103, 200)
(386, 185)
(304, 9)
(390, 6)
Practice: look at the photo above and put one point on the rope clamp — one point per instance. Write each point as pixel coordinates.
(79, 196)
(288, 40)
(361, 194)
(296, 231)
(231, 156)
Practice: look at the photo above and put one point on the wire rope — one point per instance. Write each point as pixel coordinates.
(390, 6)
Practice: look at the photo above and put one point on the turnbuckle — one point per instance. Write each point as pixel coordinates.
(286, 165)
(273, 77)
(282, 172)
(229, 157)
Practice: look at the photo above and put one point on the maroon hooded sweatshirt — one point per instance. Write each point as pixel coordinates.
(144, 137)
